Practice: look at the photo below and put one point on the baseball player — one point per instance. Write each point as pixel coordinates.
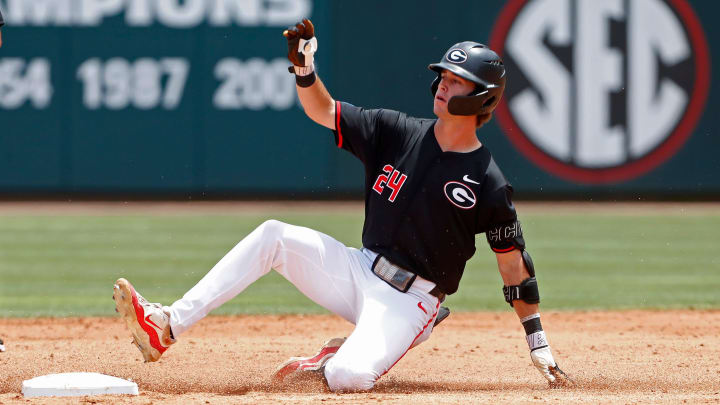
(430, 187)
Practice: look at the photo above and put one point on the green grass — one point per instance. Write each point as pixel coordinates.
(65, 265)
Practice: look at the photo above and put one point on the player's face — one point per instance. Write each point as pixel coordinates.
(450, 85)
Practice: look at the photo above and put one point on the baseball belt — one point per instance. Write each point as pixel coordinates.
(398, 277)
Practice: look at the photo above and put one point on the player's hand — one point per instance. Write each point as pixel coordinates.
(544, 362)
(301, 43)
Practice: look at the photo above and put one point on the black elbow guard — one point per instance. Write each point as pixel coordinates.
(528, 263)
(526, 291)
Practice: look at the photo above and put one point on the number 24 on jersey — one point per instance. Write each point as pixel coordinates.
(393, 179)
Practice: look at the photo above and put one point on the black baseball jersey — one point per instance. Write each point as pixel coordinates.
(2, 22)
(423, 206)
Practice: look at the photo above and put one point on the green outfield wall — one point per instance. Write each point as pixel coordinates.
(170, 98)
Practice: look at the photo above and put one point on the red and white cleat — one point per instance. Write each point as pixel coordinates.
(312, 363)
(148, 322)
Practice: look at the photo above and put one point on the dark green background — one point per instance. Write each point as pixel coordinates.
(372, 53)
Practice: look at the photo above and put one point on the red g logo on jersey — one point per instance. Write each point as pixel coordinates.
(393, 179)
(460, 195)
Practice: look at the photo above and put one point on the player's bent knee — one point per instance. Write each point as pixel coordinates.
(272, 228)
(341, 378)
(273, 224)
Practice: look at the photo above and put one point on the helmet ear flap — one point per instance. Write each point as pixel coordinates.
(434, 85)
(481, 101)
(468, 105)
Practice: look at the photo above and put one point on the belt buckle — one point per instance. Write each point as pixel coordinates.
(396, 276)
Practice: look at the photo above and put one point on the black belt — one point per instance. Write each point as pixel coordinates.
(435, 292)
(398, 277)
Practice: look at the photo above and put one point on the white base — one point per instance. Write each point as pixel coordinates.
(77, 384)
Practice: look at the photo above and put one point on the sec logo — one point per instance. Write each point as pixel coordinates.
(601, 91)
(460, 195)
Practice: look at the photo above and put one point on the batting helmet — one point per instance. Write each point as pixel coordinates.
(479, 64)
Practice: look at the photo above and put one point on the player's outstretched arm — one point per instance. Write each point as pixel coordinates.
(516, 275)
(314, 97)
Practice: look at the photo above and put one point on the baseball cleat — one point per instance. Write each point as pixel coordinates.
(312, 363)
(148, 323)
(2, 346)
(443, 313)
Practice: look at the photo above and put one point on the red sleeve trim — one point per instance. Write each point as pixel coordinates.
(338, 111)
(511, 248)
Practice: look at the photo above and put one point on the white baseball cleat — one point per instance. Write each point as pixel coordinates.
(312, 363)
(148, 323)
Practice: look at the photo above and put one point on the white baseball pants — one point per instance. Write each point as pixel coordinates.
(387, 322)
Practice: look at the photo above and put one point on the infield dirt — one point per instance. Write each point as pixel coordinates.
(668, 357)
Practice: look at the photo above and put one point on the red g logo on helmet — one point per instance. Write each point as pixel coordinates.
(601, 91)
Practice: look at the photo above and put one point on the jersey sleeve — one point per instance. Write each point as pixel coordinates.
(2, 22)
(502, 208)
(501, 225)
(359, 130)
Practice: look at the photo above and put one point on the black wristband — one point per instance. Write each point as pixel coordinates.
(532, 325)
(534, 334)
(305, 81)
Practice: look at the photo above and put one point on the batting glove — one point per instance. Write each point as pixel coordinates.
(544, 362)
(302, 44)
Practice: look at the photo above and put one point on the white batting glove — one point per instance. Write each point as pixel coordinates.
(545, 363)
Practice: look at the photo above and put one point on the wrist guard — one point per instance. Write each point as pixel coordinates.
(534, 334)
(304, 75)
(526, 291)
(305, 80)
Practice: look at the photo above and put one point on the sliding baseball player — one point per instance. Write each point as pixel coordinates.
(430, 187)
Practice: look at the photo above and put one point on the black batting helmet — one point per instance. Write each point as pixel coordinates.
(479, 64)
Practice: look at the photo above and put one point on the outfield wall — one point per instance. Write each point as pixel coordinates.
(172, 98)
